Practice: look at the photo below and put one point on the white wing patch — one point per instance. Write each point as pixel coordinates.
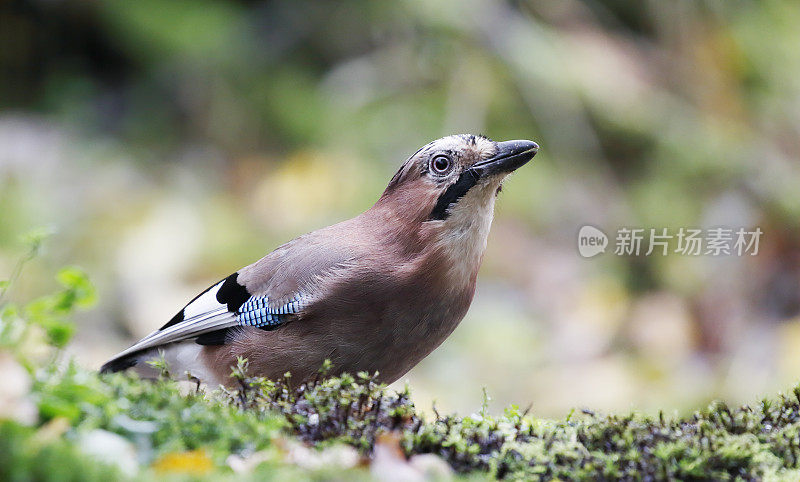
(204, 304)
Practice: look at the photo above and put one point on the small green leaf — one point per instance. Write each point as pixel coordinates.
(59, 332)
(83, 293)
(35, 237)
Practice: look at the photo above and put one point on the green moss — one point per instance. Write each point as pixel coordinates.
(23, 457)
(717, 443)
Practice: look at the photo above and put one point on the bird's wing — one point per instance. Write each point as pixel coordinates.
(267, 294)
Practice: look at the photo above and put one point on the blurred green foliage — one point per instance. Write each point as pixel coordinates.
(24, 458)
(48, 315)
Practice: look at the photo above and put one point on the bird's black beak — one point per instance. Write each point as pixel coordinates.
(510, 156)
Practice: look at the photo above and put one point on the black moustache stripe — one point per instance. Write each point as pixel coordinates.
(452, 194)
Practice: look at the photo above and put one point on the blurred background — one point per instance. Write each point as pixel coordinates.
(167, 143)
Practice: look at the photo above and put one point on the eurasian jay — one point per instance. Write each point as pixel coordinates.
(378, 292)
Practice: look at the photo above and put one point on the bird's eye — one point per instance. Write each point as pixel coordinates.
(441, 164)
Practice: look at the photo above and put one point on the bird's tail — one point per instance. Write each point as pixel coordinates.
(178, 359)
(136, 360)
(120, 363)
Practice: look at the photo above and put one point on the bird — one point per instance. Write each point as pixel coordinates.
(375, 293)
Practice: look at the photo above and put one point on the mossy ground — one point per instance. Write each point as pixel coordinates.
(195, 434)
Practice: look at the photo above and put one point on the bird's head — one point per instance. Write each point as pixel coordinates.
(453, 180)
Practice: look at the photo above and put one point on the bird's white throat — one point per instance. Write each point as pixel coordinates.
(462, 236)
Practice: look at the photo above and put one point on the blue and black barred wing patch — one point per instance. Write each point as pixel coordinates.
(257, 312)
